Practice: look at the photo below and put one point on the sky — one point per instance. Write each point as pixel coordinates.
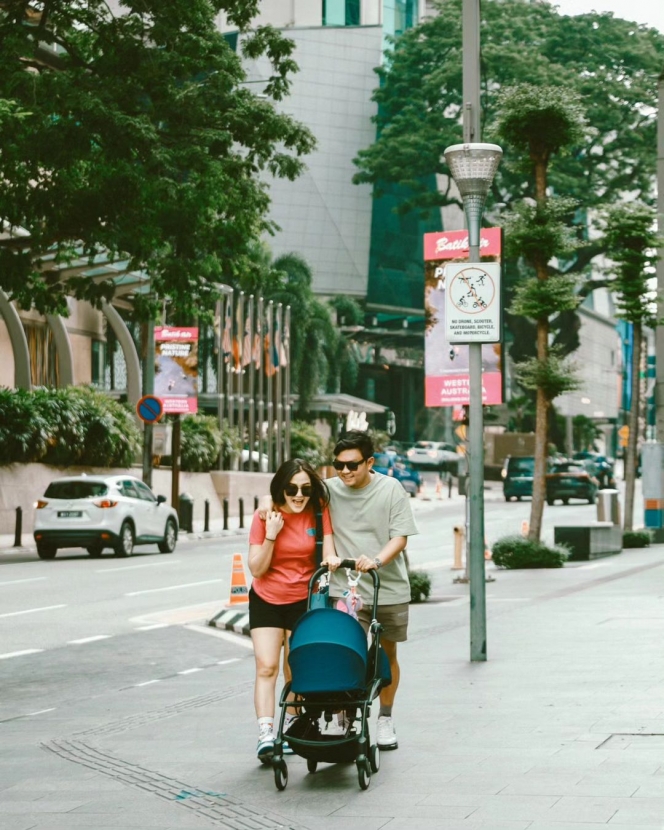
(650, 12)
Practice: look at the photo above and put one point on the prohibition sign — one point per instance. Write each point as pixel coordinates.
(149, 409)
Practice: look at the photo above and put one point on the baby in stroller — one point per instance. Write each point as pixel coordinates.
(334, 669)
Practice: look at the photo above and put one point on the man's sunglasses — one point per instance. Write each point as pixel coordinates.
(352, 465)
(292, 490)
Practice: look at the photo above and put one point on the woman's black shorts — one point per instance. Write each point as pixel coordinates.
(264, 614)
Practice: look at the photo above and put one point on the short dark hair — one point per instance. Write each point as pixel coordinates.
(319, 493)
(355, 439)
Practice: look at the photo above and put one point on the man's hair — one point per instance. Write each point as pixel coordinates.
(355, 440)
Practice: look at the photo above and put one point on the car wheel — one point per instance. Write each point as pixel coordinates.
(170, 537)
(95, 551)
(592, 498)
(550, 502)
(46, 551)
(565, 501)
(125, 544)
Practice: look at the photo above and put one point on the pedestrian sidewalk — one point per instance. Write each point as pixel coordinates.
(562, 728)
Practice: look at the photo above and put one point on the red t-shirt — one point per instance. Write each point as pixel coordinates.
(293, 556)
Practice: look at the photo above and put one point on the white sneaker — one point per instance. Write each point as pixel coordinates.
(265, 744)
(337, 727)
(386, 734)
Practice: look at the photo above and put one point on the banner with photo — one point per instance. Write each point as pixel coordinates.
(447, 381)
(176, 369)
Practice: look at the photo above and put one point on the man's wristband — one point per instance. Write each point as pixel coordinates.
(378, 563)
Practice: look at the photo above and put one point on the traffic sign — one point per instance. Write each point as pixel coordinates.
(149, 409)
(472, 305)
(623, 432)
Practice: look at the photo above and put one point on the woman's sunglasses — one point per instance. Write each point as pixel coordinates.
(292, 490)
(352, 465)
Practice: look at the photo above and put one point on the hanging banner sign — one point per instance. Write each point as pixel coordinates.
(176, 369)
(473, 308)
(447, 380)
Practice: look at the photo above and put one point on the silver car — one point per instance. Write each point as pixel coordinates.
(97, 512)
(436, 454)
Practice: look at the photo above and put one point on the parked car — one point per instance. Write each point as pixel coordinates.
(518, 473)
(434, 454)
(390, 464)
(603, 467)
(98, 512)
(571, 480)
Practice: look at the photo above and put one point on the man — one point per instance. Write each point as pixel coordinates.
(372, 521)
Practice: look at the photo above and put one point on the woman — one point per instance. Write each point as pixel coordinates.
(282, 559)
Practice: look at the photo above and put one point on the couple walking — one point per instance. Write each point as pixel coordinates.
(366, 517)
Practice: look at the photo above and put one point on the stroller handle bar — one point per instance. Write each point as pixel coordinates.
(350, 564)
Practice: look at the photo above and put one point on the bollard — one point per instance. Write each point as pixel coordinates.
(225, 506)
(449, 485)
(206, 526)
(19, 527)
(241, 506)
(459, 547)
(255, 503)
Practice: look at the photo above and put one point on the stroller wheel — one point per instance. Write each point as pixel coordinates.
(363, 772)
(312, 765)
(280, 775)
(374, 758)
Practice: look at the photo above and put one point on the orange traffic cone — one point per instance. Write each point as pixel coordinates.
(525, 527)
(423, 492)
(487, 551)
(439, 489)
(239, 594)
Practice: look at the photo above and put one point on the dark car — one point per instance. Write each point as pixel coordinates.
(518, 473)
(571, 480)
(602, 467)
(397, 467)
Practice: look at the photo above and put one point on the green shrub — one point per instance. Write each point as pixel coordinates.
(307, 444)
(201, 442)
(519, 552)
(65, 427)
(420, 586)
(636, 539)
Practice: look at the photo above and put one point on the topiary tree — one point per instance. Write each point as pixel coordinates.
(519, 552)
(541, 121)
(631, 243)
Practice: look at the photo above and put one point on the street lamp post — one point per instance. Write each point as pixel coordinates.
(473, 167)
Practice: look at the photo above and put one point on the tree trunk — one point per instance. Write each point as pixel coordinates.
(541, 439)
(631, 450)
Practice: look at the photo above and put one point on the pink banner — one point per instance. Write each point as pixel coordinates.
(454, 244)
(176, 369)
(446, 364)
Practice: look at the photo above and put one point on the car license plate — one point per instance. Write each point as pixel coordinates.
(69, 514)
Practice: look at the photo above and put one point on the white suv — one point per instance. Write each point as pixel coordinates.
(435, 454)
(97, 512)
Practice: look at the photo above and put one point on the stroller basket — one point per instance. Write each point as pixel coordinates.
(328, 653)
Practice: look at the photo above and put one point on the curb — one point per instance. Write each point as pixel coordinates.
(232, 620)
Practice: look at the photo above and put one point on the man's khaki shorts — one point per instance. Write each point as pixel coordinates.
(393, 618)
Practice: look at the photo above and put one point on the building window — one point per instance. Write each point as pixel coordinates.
(98, 367)
(341, 12)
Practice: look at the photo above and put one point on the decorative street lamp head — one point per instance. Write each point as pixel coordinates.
(473, 167)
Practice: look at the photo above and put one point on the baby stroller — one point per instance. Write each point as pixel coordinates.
(333, 669)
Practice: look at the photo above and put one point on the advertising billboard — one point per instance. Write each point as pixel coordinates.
(176, 369)
(447, 381)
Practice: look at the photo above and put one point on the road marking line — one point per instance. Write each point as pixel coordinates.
(226, 662)
(20, 653)
(134, 567)
(17, 581)
(146, 683)
(89, 639)
(32, 610)
(172, 588)
(231, 637)
(189, 671)
(151, 627)
(40, 712)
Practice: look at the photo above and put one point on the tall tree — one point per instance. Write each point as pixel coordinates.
(141, 140)
(631, 244)
(540, 122)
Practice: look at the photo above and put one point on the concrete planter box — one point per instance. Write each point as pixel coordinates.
(590, 541)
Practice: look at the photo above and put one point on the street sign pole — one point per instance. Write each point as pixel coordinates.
(148, 389)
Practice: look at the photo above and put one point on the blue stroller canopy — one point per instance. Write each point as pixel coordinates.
(328, 653)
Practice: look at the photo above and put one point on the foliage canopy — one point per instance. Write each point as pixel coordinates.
(137, 135)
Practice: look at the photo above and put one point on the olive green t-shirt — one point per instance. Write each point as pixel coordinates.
(364, 520)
